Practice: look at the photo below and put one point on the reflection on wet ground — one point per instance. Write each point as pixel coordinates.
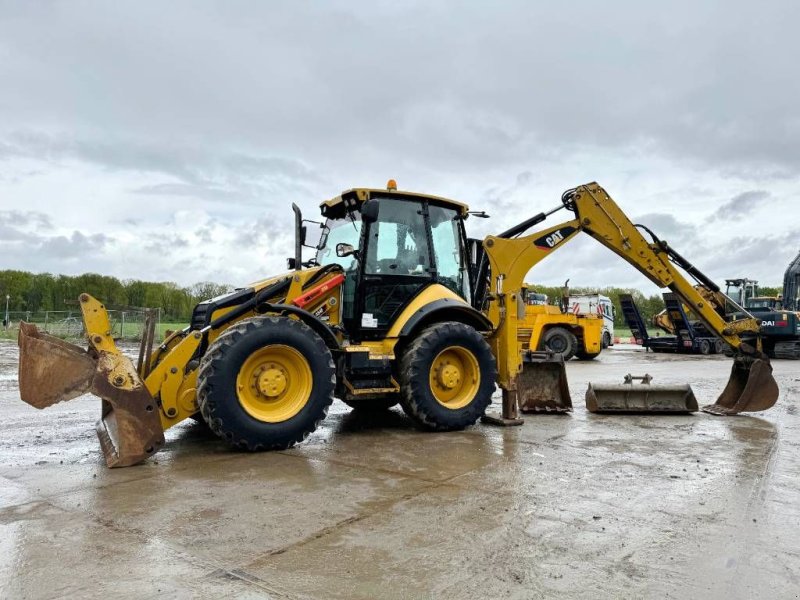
(577, 506)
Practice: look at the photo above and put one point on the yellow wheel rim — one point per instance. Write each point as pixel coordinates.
(274, 383)
(455, 377)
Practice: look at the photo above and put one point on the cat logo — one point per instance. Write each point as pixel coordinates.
(548, 242)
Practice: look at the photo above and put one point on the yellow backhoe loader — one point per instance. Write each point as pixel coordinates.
(398, 305)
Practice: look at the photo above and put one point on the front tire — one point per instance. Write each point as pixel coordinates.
(266, 383)
(447, 377)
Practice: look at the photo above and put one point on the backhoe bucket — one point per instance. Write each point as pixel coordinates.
(640, 398)
(751, 388)
(542, 385)
(52, 370)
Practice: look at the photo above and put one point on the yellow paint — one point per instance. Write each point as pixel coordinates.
(97, 324)
(427, 296)
(510, 260)
(454, 377)
(274, 383)
(168, 381)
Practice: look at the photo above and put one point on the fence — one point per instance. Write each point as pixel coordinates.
(125, 324)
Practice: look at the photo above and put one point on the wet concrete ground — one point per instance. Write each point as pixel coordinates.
(580, 506)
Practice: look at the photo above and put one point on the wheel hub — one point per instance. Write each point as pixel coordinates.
(272, 382)
(454, 377)
(449, 376)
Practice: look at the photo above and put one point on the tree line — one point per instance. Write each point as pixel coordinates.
(37, 292)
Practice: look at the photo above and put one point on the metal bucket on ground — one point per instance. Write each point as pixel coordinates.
(751, 387)
(542, 385)
(640, 398)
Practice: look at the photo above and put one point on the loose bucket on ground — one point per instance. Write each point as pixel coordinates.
(643, 397)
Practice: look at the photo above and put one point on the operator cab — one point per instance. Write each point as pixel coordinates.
(763, 304)
(740, 291)
(392, 245)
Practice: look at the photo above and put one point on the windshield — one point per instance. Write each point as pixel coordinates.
(338, 231)
(761, 303)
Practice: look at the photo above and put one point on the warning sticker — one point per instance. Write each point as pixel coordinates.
(367, 320)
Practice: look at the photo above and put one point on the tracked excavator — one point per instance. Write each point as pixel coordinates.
(398, 305)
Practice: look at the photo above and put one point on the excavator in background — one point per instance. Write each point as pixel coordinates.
(779, 315)
(398, 305)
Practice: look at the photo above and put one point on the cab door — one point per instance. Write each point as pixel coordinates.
(396, 265)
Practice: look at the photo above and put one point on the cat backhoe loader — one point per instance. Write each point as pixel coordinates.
(398, 305)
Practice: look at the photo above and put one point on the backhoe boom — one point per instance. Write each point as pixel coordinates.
(751, 386)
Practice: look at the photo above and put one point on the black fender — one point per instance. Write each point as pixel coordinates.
(320, 327)
(446, 309)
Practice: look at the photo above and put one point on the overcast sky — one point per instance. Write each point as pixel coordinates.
(167, 140)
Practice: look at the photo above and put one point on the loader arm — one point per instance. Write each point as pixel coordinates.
(510, 258)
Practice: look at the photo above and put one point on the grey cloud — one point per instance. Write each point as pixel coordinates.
(76, 245)
(741, 205)
(701, 83)
(206, 173)
(21, 218)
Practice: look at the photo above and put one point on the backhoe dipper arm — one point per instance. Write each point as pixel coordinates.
(598, 215)
(604, 220)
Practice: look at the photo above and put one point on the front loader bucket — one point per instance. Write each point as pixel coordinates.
(542, 385)
(52, 370)
(751, 388)
(640, 398)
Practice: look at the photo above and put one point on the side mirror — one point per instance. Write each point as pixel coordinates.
(369, 211)
(343, 250)
(303, 232)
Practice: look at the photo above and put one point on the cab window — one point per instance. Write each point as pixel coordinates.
(450, 266)
(398, 244)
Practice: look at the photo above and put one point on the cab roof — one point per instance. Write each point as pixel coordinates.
(337, 207)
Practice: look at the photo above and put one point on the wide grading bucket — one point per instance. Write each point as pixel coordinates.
(643, 397)
(52, 370)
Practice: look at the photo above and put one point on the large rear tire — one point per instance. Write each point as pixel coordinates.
(705, 347)
(560, 341)
(266, 383)
(447, 377)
